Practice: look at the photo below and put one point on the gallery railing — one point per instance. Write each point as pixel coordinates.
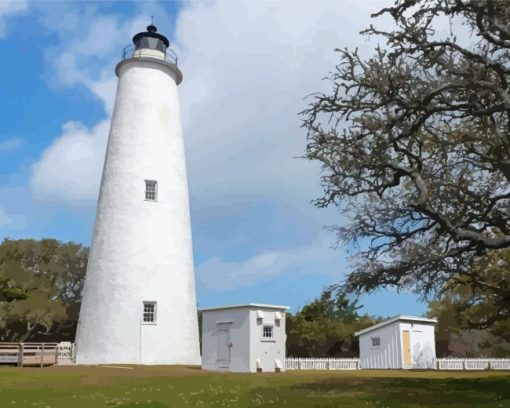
(129, 52)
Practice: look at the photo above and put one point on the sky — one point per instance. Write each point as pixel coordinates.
(249, 68)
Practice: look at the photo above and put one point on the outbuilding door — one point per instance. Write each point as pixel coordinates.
(406, 348)
(224, 344)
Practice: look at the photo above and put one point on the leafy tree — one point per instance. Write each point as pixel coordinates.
(414, 145)
(331, 305)
(47, 276)
(9, 293)
(454, 338)
(326, 327)
(462, 307)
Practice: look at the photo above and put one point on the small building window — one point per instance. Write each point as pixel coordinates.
(149, 312)
(151, 190)
(267, 332)
(376, 341)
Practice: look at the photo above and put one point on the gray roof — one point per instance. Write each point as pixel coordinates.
(412, 319)
(248, 305)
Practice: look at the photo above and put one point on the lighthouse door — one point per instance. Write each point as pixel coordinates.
(223, 346)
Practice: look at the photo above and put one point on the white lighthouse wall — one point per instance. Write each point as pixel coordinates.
(239, 336)
(423, 344)
(387, 355)
(267, 351)
(141, 250)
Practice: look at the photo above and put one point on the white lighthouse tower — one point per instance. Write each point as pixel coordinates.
(138, 303)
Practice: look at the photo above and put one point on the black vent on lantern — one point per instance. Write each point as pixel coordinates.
(151, 39)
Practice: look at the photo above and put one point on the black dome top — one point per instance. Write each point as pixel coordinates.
(151, 32)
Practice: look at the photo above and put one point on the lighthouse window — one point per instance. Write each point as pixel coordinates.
(267, 332)
(151, 190)
(149, 312)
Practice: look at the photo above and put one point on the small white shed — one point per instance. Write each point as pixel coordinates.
(400, 342)
(244, 338)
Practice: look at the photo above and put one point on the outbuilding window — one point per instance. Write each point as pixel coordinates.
(149, 312)
(267, 332)
(376, 341)
(151, 190)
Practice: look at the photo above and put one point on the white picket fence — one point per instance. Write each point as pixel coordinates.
(65, 353)
(322, 363)
(473, 363)
(292, 363)
(500, 364)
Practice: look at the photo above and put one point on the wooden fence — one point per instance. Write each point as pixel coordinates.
(322, 363)
(29, 354)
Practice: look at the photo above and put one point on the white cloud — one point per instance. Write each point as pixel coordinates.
(90, 43)
(88, 48)
(4, 218)
(216, 275)
(10, 8)
(69, 170)
(12, 221)
(10, 144)
(84, 57)
(247, 67)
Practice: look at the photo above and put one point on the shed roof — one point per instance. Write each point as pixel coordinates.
(245, 305)
(404, 318)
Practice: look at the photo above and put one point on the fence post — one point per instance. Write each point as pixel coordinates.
(299, 364)
(464, 365)
(42, 355)
(20, 355)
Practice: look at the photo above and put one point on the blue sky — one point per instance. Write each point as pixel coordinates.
(247, 69)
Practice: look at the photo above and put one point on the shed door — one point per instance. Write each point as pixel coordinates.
(223, 345)
(406, 345)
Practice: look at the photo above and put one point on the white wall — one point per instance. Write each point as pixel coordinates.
(248, 344)
(423, 344)
(267, 350)
(239, 336)
(141, 250)
(388, 354)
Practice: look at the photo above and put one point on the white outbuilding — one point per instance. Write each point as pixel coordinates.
(400, 342)
(244, 338)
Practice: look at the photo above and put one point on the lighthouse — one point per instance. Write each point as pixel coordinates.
(139, 303)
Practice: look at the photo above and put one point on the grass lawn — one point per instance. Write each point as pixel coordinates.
(167, 386)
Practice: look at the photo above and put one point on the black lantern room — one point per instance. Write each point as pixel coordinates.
(151, 39)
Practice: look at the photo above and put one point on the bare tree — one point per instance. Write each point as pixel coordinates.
(415, 148)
